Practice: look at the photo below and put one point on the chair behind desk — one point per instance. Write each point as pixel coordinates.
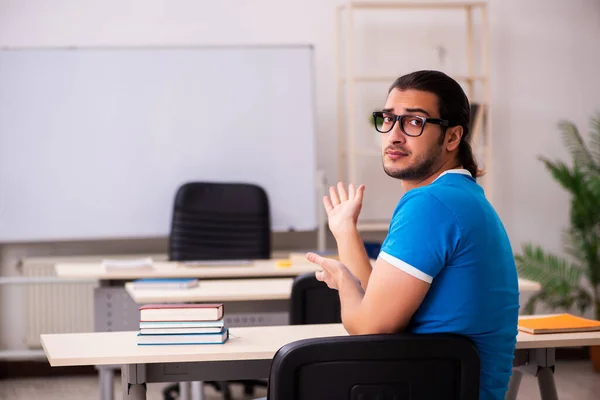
(214, 221)
(312, 302)
(382, 367)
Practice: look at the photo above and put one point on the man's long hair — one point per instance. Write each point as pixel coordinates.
(453, 105)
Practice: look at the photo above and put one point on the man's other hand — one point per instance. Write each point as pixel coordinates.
(343, 208)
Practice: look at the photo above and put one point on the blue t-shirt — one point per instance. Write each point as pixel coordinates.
(448, 234)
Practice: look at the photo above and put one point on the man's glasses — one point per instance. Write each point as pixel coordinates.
(411, 125)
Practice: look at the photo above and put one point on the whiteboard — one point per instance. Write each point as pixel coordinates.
(95, 142)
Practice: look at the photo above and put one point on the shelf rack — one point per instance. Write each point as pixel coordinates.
(348, 151)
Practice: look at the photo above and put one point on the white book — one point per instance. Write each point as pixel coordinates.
(200, 338)
(178, 331)
(181, 312)
(182, 324)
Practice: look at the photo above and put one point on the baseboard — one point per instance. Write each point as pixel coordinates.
(29, 369)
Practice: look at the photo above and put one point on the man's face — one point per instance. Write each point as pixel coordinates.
(406, 157)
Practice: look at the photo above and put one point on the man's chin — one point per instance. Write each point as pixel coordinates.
(397, 173)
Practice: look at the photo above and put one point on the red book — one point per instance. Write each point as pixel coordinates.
(181, 312)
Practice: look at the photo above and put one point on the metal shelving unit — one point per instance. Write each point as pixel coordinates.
(348, 81)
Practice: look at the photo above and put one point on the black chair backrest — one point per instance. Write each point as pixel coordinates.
(312, 302)
(220, 221)
(376, 367)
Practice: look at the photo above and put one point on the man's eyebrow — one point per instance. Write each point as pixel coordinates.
(417, 110)
(388, 110)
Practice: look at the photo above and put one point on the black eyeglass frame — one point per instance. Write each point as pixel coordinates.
(397, 118)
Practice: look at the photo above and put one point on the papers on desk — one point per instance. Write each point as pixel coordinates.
(168, 283)
(125, 265)
(215, 263)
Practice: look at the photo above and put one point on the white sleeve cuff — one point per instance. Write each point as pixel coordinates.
(409, 269)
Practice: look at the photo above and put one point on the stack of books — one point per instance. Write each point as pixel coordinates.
(164, 324)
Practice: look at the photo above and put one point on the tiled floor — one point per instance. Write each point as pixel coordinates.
(575, 380)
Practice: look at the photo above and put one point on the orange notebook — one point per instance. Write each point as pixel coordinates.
(559, 323)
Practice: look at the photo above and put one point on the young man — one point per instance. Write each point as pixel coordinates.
(446, 264)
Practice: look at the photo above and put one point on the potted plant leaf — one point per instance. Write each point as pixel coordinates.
(573, 280)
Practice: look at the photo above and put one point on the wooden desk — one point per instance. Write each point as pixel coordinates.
(217, 291)
(247, 355)
(114, 309)
(237, 290)
(245, 343)
(525, 285)
(173, 269)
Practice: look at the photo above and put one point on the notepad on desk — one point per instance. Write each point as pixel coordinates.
(559, 323)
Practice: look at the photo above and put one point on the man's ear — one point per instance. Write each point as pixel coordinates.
(453, 137)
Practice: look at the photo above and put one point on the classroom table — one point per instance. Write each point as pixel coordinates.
(238, 290)
(265, 301)
(248, 355)
(176, 269)
(218, 290)
(114, 309)
(239, 295)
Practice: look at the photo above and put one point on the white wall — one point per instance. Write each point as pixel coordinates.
(545, 58)
(545, 69)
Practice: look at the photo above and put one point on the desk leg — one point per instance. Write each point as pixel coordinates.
(513, 384)
(197, 390)
(536, 362)
(133, 377)
(184, 390)
(114, 310)
(135, 392)
(107, 388)
(546, 383)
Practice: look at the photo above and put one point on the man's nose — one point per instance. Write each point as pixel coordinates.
(396, 135)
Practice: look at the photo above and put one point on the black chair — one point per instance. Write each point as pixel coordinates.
(216, 221)
(312, 302)
(376, 367)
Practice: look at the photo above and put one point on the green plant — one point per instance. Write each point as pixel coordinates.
(561, 278)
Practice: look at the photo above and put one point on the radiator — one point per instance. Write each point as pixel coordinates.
(55, 307)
